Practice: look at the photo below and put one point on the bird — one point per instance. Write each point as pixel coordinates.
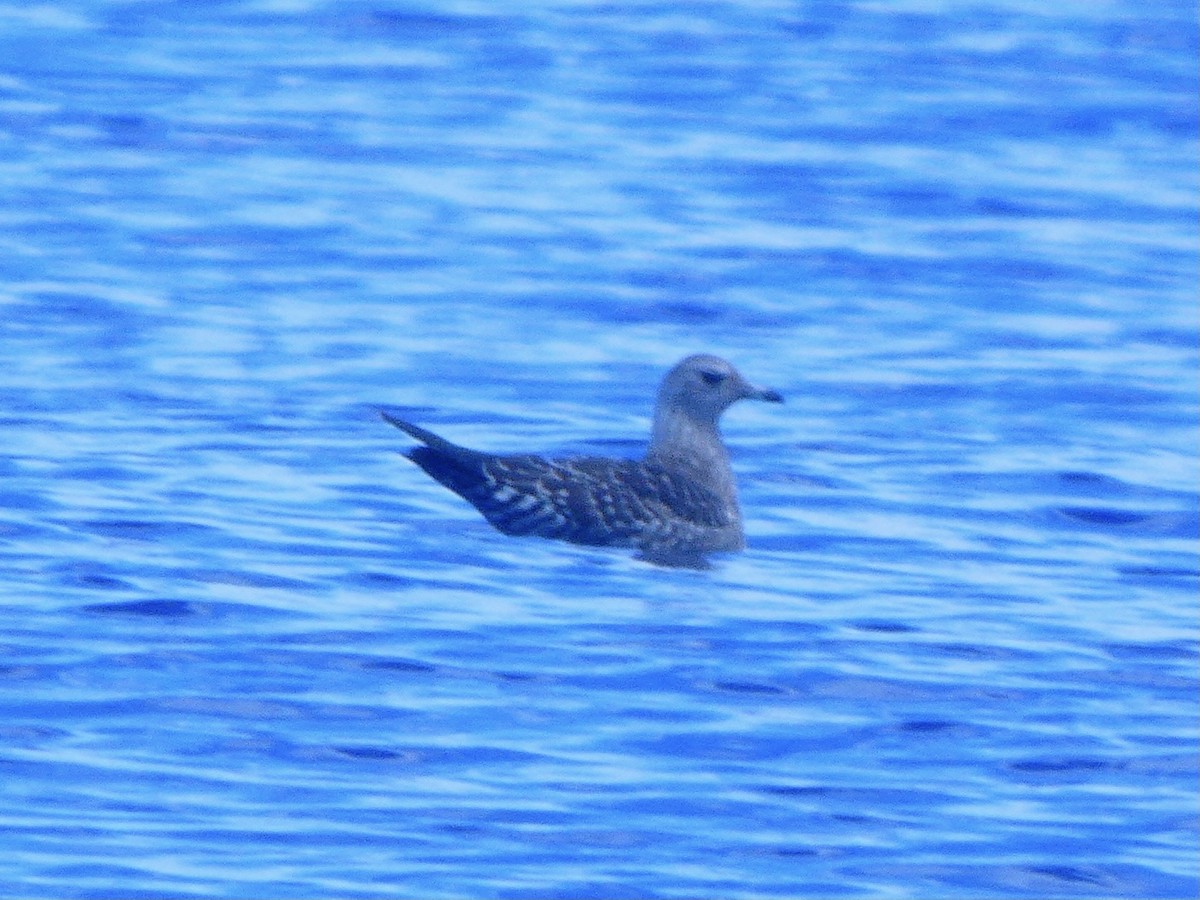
(675, 505)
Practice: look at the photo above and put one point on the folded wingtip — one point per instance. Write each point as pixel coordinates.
(392, 420)
(428, 438)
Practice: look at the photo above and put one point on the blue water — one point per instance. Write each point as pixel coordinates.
(248, 650)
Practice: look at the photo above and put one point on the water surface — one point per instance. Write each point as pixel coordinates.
(249, 650)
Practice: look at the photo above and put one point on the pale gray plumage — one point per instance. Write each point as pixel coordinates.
(676, 504)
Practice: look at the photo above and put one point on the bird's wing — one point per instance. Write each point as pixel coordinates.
(596, 501)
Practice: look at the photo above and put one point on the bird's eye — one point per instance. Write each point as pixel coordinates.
(712, 378)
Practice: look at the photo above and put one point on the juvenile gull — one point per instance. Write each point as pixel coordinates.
(674, 505)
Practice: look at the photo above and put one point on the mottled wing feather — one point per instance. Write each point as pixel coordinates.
(678, 495)
(526, 495)
(585, 500)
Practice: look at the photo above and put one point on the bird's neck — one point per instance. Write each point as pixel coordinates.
(681, 440)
